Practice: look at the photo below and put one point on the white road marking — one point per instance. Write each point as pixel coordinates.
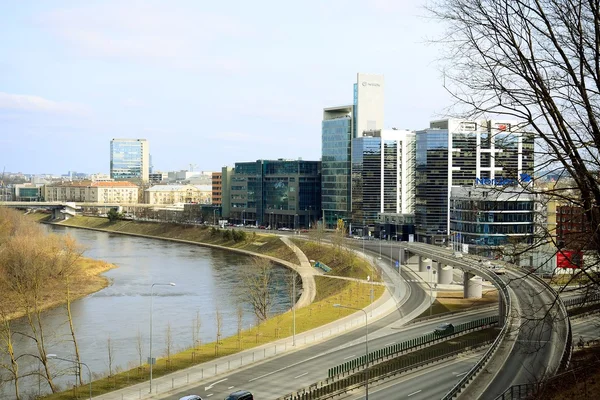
(418, 391)
(213, 384)
(389, 344)
(461, 374)
(230, 387)
(352, 356)
(296, 377)
(208, 395)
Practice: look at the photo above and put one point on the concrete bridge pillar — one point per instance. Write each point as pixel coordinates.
(424, 263)
(501, 310)
(445, 274)
(472, 288)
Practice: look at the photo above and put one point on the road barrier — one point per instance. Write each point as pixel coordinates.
(409, 345)
(332, 388)
(582, 300)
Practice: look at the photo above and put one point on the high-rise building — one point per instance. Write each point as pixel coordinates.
(456, 153)
(382, 175)
(217, 188)
(340, 126)
(129, 159)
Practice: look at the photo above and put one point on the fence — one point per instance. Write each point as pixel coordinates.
(332, 388)
(410, 345)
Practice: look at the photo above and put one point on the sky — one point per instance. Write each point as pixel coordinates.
(206, 83)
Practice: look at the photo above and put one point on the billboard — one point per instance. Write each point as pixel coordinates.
(569, 259)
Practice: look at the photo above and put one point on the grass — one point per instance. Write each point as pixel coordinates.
(343, 262)
(454, 301)
(260, 243)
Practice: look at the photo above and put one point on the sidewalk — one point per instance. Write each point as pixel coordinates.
(397, 294)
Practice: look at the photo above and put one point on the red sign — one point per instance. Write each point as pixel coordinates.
(569, 259)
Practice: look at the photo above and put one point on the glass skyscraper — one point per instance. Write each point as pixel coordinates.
(129, 159)
(337, 134)
(458, 153)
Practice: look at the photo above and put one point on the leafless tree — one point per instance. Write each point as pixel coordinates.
(257, 277)
(537, 61)
(109, 352)
(196, 340)
(139, 345)
(168, 341)
(219, 325)
(240, 316)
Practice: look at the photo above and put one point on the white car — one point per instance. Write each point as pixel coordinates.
(191, 397)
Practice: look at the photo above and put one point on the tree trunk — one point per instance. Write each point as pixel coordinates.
(76, 347)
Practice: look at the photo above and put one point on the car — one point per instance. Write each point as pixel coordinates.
(499, 270)
(191, 397)
(444, 329)
(240, 395)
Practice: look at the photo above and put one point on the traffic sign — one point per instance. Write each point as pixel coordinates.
(429, 267)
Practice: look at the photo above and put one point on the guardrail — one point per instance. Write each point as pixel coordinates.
(594, 298)
(470, 375)
(332, 388)
(409, 345)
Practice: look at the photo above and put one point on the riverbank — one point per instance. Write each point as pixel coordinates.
(318, 313)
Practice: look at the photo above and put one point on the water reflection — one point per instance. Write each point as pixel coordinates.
(206, 279)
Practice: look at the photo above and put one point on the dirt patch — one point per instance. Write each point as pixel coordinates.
(454, 301)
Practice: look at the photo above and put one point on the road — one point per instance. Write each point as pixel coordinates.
(291, 371)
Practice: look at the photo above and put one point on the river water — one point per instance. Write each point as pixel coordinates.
(205, 279)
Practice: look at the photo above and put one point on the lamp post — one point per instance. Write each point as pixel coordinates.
(366, 345)
(75, 362)
(309, 217)
(214, 216)
(151, 361)
(244, 217)
(294, 308)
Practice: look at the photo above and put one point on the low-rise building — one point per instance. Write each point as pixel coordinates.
(172, 194)
(93, 192)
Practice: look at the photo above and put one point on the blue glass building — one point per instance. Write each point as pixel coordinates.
(129, 159)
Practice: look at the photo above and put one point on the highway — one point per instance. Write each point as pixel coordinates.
(291, 371)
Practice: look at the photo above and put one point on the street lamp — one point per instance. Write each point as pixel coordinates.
(366, 345)
(244, 217)
(214, 216)
(75, 362)
(151, 361)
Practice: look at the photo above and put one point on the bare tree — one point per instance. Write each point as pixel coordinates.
(10, 366)
(257, 280)
(219, 325)
(168, 341)
(139, 345)
(109, 349)
(196, 340)
(537, 61)
(240, 316)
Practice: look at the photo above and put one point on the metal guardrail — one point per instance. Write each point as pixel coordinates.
(409, 345)
(523, 391)
(332, 388)
(577, 301)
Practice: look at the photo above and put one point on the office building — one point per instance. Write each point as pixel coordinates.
(276, 193)
(339, 127)
(226, 175)
(458, 153)
(382, 175)
(175, 194)
(129, 159)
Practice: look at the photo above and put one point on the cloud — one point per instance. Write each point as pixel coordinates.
(32, 103)
(141, 31)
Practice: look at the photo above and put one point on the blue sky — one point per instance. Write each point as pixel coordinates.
(207, 83)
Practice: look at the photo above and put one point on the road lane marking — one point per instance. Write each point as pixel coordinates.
(353, 355)
(418, 391)
(213, 384)
(230, 387)
(208, 395)
(389, 344)
(306, 373)
(461, 374)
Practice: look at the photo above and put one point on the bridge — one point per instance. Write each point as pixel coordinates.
(535, 340)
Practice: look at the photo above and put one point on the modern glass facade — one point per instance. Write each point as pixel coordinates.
(129, 159)
(276, 193)
(337, 132)
(431, 183)
(485, 217)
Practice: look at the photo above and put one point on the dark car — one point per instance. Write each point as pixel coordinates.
(444, 329)
(240, 395)
(191, 397)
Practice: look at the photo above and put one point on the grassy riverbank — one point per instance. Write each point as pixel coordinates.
(320, 312)
(266, 244)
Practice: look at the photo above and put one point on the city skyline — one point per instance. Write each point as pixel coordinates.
(194, 79)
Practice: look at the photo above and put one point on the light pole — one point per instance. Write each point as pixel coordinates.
(294, 308)
(244, 217)
(151, 361)
(214, 216)
(380, 244)
(75, 362)
(366, 345)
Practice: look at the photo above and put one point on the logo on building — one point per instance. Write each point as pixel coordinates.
(371, 84)
(500, 181)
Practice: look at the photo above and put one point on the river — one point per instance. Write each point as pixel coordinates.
(205, 279)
